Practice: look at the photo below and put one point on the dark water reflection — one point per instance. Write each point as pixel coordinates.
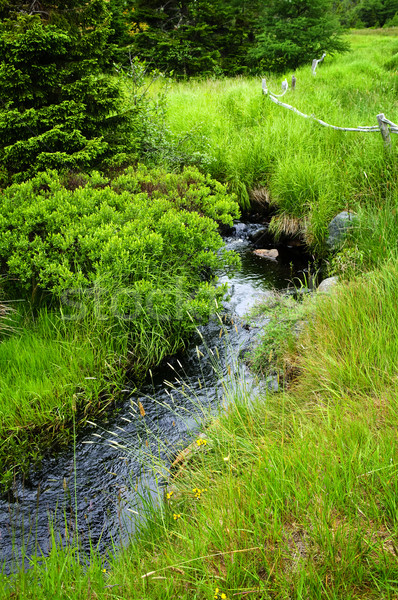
(102, 487)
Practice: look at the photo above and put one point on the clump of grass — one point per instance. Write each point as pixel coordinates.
(275, 349)
(351, 345)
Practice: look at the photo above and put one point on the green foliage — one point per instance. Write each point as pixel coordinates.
(196, 37)
(347, 263)
(375, 13)
(299, 502)
(366, 13)
(295, 32)
(206, 38)
(392, 63)
(58, 110)
(134, 227)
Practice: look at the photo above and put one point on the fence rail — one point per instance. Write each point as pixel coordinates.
(384, 126)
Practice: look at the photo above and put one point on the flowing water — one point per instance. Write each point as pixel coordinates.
(102, 484)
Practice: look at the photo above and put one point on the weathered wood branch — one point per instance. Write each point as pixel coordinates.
(316, 62)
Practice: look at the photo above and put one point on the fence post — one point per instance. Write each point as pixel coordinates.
(384, 130)
(316, 62)
(264, 86)
(293, 82)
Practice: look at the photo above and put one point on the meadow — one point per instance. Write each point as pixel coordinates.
(293, 495)
(306, 172)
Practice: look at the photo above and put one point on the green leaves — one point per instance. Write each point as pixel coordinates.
(195, 38)
(60, 238)
(58, 109)
(295, 32)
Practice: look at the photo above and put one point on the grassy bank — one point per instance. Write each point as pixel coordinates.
(52, 372)
(297, 490)
(108, 277)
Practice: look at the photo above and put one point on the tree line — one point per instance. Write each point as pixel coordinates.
(60, 109)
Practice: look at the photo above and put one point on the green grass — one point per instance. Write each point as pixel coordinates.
(298, 489)
(351, 346)
(310, 172)
(51, 373)
(274, 349)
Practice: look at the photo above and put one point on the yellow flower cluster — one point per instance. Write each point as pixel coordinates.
(201, 442)
(219, 595)
(175, 517)
(197, 492)
(169, 495)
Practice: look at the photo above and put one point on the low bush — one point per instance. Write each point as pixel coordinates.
(136, 251)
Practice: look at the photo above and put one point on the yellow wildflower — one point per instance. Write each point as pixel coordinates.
(198, 492)
(169, 495)
(219, 595)
(201, 442)
(175, 517)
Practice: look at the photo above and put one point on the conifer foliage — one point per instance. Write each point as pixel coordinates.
(57, 109)
(196, 37)
(294, 32)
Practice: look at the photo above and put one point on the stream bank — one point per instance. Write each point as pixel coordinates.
(100, 488)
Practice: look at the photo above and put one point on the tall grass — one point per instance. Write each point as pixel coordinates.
(310, 171)
(351, 346)
(52, 371)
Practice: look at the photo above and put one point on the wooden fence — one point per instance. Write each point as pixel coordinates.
(384, 125)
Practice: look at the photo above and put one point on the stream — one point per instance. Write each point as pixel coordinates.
(101, 488)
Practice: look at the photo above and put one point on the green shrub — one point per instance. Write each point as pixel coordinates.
(136, 251)
(139, 224)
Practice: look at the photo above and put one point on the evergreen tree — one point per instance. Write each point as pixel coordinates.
(56, 106)
(375, 13)
(295, 32)
(366, 13)
(196, 37)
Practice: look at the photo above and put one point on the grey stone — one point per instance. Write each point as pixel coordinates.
(328, 284)
(261, 235)
(338, 228)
